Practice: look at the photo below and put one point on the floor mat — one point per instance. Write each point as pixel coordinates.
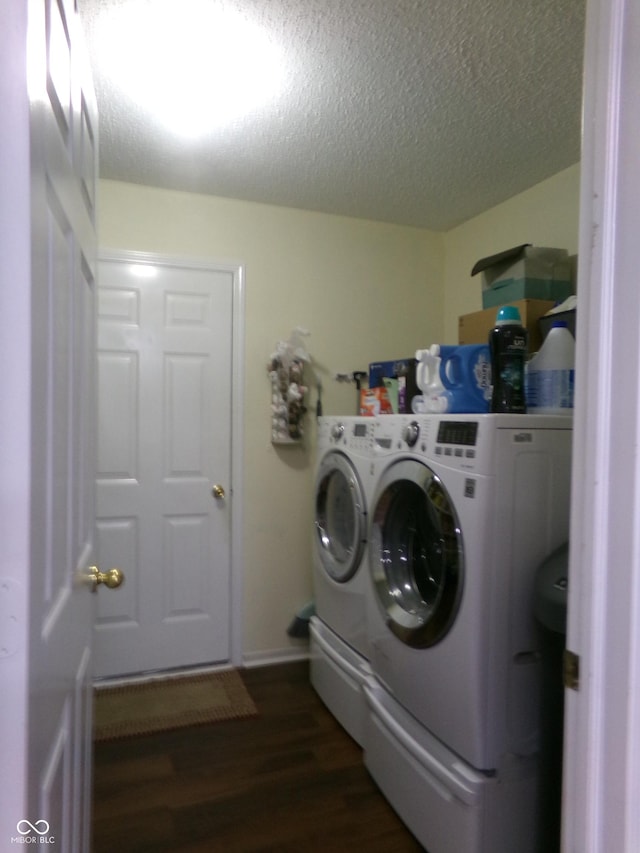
(170, 703)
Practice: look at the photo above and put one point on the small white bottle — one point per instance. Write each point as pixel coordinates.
(550, 374)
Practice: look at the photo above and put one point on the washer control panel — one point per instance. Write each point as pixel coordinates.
(411, 433)
(353, 433)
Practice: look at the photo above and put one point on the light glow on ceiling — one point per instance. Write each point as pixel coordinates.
(195, 64)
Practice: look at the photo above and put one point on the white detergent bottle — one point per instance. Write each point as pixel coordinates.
(435, 397)
(550, 374)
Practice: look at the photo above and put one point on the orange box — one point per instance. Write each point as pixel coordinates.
(375, 401)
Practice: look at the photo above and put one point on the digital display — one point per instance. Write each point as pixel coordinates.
(360, 430)
(458, 432)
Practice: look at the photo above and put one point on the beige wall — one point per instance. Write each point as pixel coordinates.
(365, 291)
(545, 215)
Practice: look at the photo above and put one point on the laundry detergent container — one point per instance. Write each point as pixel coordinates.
(454, 379)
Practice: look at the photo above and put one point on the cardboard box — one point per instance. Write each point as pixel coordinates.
(524, 272)
(474, 328)
(506, 293)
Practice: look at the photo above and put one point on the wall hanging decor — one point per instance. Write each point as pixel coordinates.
(286, 369)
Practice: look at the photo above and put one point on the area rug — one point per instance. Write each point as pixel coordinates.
(170, 703)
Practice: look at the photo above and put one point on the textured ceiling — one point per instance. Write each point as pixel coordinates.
(418, 112)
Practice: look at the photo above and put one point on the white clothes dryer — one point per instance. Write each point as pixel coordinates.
(339, 639)
(465, 508)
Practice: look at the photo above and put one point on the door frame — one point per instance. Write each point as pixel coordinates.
(237, 271)
(15, 420)
(602, 714)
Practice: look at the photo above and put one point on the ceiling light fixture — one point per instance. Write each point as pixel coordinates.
(195, 64)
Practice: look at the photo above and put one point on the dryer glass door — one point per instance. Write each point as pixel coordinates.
(416, 553)
(340, 521)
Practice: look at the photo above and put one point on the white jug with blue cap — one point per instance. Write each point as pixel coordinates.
(550, 373)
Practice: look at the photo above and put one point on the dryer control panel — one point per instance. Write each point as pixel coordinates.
(458, 433)
(465, 442)
(457, 440)
(470, 442)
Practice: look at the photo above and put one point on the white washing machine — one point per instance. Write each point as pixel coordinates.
(339, 638)
(465, 509)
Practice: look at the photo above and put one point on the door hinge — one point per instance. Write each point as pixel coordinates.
(571, 670)
(10, 622)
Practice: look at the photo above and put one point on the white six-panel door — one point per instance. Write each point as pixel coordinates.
(47, 329)
(164, 462)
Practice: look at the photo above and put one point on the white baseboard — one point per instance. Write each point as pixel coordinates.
(275, 656)
(249, 660)
(158, 675)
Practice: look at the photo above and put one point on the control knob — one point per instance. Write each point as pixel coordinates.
(410, 433)
(337, 431)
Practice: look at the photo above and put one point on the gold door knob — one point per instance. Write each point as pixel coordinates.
(111, 579)
(218, 492)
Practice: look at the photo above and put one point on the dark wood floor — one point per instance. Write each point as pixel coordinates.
(290, 780)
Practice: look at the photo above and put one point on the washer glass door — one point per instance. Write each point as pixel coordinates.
(416, 553)
(340, 521)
